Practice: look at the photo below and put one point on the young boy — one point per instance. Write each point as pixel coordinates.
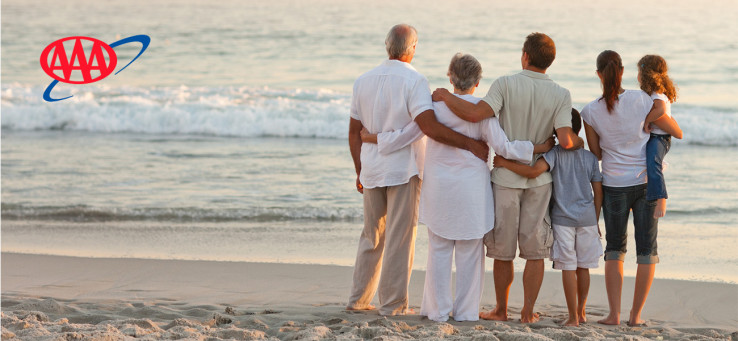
(574, 215)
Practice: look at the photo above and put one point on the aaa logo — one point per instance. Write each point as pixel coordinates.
(76, 67)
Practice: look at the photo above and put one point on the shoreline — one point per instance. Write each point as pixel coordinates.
(293, 262)
(53, 295)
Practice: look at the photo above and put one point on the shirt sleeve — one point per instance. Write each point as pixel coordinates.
(494, 96)
(391, 141)
(550, 157)
(355, 105)
(585, 115)
(667, 103)
(513, 150)
(596, 174)
(660, 96)
(562, 117)
(420, 98)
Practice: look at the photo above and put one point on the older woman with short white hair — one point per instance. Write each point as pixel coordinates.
(456, 202)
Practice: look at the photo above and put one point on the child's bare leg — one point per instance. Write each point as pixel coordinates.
(569, 279)
(582, 292)
(660, 210)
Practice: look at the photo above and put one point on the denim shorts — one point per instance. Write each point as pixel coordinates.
(656, 149)
(617, 204)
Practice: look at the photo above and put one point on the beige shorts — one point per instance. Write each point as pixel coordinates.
(521, 219)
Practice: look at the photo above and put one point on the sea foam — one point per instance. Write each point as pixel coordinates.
(246, 112)
(226, 111)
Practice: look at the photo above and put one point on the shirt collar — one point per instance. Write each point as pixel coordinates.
(396, 62)
(533, 74)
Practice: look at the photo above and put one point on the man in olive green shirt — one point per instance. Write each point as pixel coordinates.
(530, 107)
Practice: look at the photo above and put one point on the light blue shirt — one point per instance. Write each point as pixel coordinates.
(572, 202)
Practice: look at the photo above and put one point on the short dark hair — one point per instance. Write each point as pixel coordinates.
(541, 50)
(576, 121)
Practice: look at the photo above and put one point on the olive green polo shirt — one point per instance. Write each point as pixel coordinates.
(530, 106)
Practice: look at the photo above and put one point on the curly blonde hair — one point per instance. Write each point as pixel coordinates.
(654, 77)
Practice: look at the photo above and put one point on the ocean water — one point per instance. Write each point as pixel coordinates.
(226, 140)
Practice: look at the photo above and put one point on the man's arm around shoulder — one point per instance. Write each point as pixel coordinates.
(465, 110)
(432, 128)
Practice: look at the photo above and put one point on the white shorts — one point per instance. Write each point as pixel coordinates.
(576, 247)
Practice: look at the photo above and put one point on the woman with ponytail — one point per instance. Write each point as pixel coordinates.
(614, 127)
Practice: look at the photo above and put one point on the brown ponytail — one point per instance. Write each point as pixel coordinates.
(610, 66)
(655, 77)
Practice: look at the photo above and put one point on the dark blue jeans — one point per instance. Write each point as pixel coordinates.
(617, 204)
(656, 149)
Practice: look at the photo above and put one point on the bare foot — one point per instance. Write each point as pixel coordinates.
(493, 315)
(660, 210)
(582, 319)
(367, 307)
(637, 323)
(528, 317)
(571, 322)
(610, 320)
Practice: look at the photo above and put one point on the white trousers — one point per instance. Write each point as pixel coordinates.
(437, 303)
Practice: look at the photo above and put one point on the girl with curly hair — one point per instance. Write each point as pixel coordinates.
(655, 81)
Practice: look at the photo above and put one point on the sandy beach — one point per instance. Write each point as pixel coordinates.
(182, 198)
(68, 298)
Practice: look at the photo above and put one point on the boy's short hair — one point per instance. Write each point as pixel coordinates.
(576, 121)
(541, 50)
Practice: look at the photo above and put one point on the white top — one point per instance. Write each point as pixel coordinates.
(530, 106)
(387, 98)
(622, 138)
(456, 200)
(667, 106)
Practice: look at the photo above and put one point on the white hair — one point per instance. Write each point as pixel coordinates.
(400, 40)
(464, 71)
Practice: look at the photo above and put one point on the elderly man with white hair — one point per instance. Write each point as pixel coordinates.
(387, 98)
(456, 201)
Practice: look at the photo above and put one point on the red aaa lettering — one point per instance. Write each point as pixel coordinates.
(78, 60)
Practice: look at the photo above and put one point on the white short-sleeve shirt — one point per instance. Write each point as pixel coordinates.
(667, 106)
(622, 138)
(387, 98)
